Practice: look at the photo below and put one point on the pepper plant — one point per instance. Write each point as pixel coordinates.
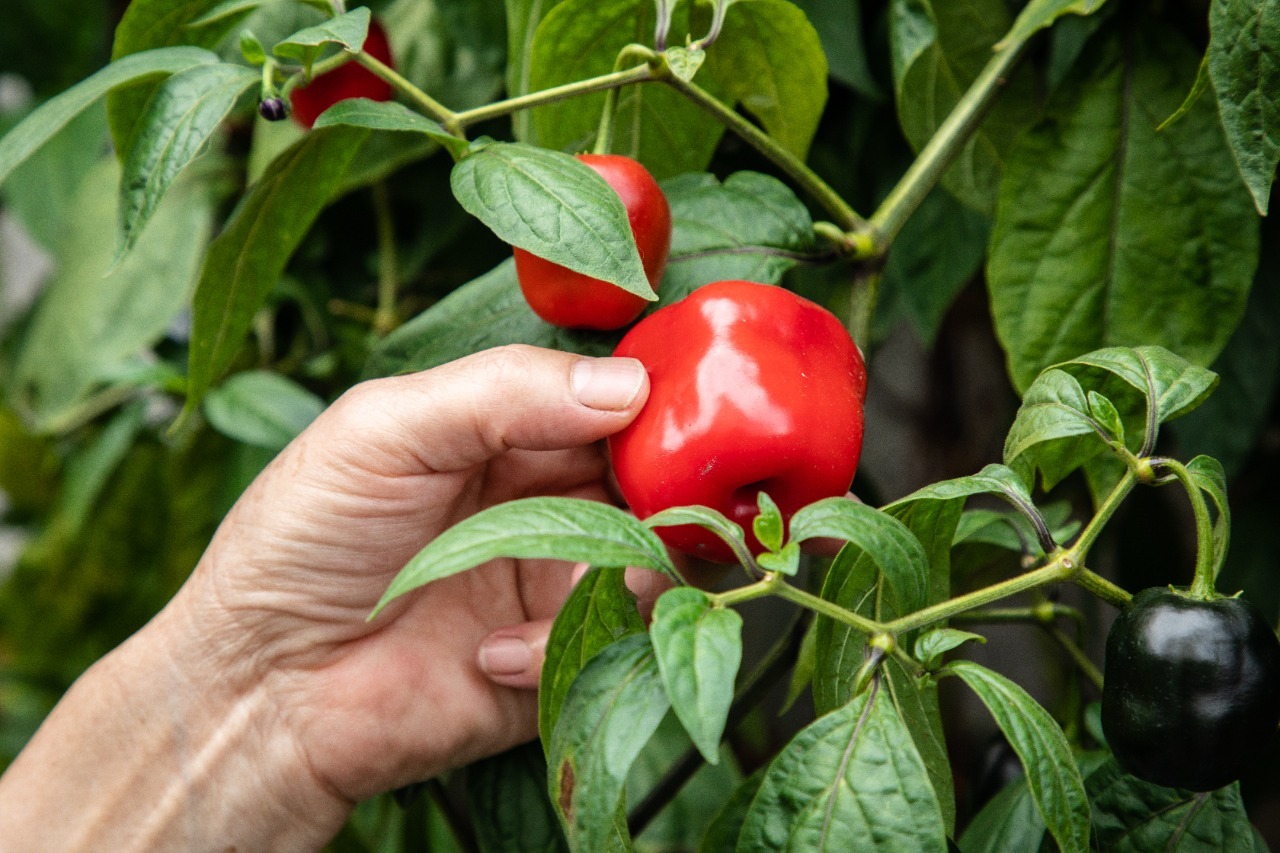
(1092, 177)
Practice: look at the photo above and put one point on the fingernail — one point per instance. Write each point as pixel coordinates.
(505, 656)
(607, 384)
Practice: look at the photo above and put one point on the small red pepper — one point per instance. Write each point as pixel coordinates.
(752, 389)
(346, 81)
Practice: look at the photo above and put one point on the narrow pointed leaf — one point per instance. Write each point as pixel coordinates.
(54, 114)
(1245, 70)
(247, 258)
(183, 114)
(599, 611)
(699, 650)
(389, 115)
(1038, 14)
(1055, 781)
(852, 780)
(611, 711)
(553, 206)
(348, 31)
(261, 408)
(887, 541)
(548, 528)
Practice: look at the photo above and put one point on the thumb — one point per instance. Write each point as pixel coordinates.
(465, 412)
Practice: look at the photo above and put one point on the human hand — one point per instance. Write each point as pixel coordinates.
(265, 660)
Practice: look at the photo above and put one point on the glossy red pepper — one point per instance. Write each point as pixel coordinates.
(346, 81)
(752, 388)
(572, 300)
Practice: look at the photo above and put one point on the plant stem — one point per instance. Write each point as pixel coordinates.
(385, 317)
(947, 141)
(424, 102)
(638, 74)
(1058, 569)
(1080, 548)
(826, 608)
(1077, 655)
(1102, 588)
(750, 592)
(806, 178)
(604, 132)
(1203, 585)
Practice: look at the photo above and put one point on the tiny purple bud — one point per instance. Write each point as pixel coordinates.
(272, 109)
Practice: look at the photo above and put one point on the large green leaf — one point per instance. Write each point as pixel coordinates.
(523, 18)
(599, 611)
(554, 206)
(1132, 816)
(1245, 71)
(487, 312)
(852, 780)
(699, 649)
(1133, 236)
(54, 114)
(552, 528)
(183, 114)
(938, 50)
(1055, 781)
(611, 711)
(93, 321)
(750, 226)
(247, 258)
(839, 26)
(508, 805)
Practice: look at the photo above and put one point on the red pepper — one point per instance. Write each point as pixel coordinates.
(346, 81)
(573, 300)
(752, 388)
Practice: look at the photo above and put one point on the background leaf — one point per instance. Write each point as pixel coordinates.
(1074, 247)
(1246, 77)
(261, 408)
(508, 805)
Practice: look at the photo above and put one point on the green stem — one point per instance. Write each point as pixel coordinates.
(604, 132)
(605, 82)
(1102, 588)
(805, 178)
(947, 141)
(826, 608)
(424, 102)
(750, 592)
(385, 317)
(1203, 586)
(1058, 569)
(1080, 549)
(1077, 655)
(862, 303)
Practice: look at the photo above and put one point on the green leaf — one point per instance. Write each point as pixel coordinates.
(261, 408)
(1208, 475)
(769, 60)
(1039, 14)
(852, 780)
(1243, 65)
(347, 31)
(551, 528)
(703, 516)
(251, 49)
(786, 561)
(390, 116)
(553, 206)
(1056, 430)
(724, 829)
(1055, 781)
(1106, 415)
(699, 649)
(887, 541)
(247, 258)
(611, 710)
(599, 611)
(1008, 823)
(750, 227)
(523, 18)
(54, 114)
(579, 39)
(684, 62)
(938, 50)
(237, 9)
(767, 525)
(998, 480)
(183, 115)
(508, 805)
(88, 471)
(933, 523)
(484, 313)
(932, 645)
(1133, 237)
(95, 320)
(1132, 816)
